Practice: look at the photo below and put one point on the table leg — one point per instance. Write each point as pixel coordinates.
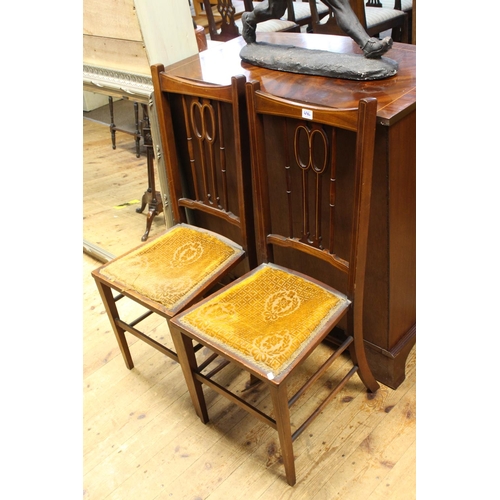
(151, 197)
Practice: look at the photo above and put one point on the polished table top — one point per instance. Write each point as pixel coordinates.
(396, 95)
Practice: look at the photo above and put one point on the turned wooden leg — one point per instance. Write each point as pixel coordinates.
(155, 207)
(151, 196)
(144, 202)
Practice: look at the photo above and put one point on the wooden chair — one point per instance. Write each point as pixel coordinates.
(403, 5)
(204, 132)
(374, 20)
(230, 27)
(270, 321)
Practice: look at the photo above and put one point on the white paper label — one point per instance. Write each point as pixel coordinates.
(307, 114)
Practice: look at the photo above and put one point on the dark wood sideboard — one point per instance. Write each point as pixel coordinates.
(390, 298)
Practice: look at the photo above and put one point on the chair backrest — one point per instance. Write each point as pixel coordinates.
(378, 3)
(312, 169)
(330, 26)
(204, 133)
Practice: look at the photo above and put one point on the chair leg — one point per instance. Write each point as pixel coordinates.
(400, 34)
(110, 306)
(187, 360)
(279, 396)
(358, 357)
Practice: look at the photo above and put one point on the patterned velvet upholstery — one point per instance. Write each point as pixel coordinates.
(268, 318)
(172, 268)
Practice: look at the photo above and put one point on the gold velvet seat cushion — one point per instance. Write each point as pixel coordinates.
(267, 319)
(170, 269)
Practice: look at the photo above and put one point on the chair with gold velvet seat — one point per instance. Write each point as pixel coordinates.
(204, 132)
(312, 171)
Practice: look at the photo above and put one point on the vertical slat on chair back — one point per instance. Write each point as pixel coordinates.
(290, 11)
(330, 27)
(295, 159)
(212, 25)
(204, 131)
(358, 6)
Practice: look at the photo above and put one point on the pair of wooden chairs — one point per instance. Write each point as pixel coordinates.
(217, 275)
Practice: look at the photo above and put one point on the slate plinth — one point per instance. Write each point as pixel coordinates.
(317, 62)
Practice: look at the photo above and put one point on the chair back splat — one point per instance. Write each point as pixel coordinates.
(205, 138)
(204, 134)
(312, 176)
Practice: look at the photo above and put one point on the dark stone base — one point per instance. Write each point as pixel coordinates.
(317, 62)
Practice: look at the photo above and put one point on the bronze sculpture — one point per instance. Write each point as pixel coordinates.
(346, 19)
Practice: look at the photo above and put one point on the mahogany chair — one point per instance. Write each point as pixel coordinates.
(374, 20)
(404, 5)
(204, 132)
(230, 27)
(270, 321)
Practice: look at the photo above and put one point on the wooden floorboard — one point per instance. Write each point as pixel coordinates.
(141, 438)
(114, 182)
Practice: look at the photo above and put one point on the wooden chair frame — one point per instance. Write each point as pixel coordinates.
(233, 209)
(360, 121)
(397, 6)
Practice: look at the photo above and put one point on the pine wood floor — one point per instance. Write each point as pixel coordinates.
(113, 184)
(141, 438)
